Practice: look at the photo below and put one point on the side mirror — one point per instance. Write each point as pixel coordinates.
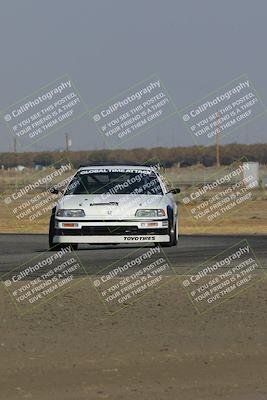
(174, 191)
(53, 190)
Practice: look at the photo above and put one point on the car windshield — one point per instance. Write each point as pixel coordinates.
(115, 182)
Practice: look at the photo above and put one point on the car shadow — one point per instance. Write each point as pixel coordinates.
(101, 247)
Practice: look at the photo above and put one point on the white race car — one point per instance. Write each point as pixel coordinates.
(115, 204)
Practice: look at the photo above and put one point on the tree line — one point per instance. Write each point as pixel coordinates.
(169, 157)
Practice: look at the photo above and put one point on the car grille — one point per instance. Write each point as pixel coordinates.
(110, 230)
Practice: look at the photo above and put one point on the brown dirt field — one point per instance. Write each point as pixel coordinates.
(156, 349)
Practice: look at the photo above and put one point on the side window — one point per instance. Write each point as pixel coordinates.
(163, 184)
(74, 183)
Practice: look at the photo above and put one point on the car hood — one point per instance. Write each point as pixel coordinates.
(110, 206)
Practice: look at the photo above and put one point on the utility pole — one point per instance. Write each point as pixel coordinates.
(67, 141)
(218, 133)
(15, 144)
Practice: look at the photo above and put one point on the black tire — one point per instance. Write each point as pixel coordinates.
(172, 231)
(58, 246)
(51, 232)
(173, 239)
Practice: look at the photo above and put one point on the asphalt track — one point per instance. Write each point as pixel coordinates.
(192, 250)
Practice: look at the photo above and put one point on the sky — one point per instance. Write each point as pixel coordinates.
(108, 46)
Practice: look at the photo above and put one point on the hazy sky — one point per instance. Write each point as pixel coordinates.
(106, 46)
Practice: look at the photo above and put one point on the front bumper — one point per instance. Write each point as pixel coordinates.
(112, 231)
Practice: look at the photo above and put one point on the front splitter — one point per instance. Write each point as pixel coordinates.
(112, 239)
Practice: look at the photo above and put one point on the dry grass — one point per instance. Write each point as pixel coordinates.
(250, 219)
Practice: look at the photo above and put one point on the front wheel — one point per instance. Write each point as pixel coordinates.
(173, 238)
(173, 231)
(51, 232)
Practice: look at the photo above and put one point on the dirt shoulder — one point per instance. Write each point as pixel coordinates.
(159, 348)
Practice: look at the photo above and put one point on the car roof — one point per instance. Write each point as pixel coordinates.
(115, 167)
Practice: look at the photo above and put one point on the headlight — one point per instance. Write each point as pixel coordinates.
(150, 213)
(70, 213)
